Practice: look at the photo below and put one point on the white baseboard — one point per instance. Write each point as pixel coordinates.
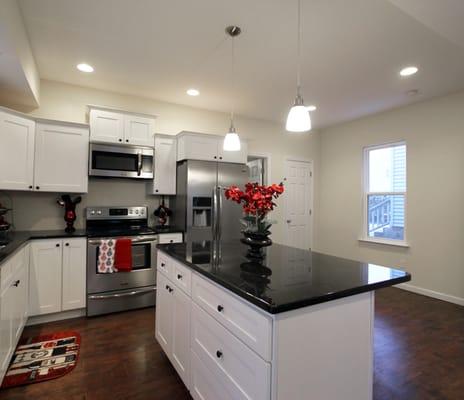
(43, 319)
(431, 293)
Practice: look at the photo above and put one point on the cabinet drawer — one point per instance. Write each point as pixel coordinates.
(249, 325)
(164, 264)
(233, 361)
(182, 277)
(164, 238)
(207, 385)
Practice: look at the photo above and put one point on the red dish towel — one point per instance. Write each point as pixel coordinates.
(123, 255)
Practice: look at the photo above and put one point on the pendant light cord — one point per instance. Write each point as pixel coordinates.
(298, 65)
(233, 83)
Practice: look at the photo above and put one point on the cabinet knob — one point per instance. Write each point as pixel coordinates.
(219, 354)
(179, 276)
(67, 244)
(171, 241)
(16, 283)
(220, 308)
(37, 187)
(120, 140)
(156, 190)
(220, 158)
(57, 245)
(163, 264)
(215, 157)
(167, 287)
(30, 186)
(127, 140)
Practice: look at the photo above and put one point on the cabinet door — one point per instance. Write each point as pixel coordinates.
(106, 126)
(240, 157)
(138, 130)
(164, 316)
(165, 168)
(16, 152)
(181, 305)
(197, 147)
(6, 328)
(19, 289)
(74, 274)
(45, 277)
(61, 158)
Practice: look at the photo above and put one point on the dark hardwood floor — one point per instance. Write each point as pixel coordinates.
(419, 354)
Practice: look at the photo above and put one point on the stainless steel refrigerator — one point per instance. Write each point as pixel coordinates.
(200, 208)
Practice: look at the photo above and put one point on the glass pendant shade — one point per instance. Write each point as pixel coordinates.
(231, 141)
(298, 119)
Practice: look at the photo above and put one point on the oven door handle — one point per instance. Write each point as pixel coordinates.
(137, 239)
(118, 295)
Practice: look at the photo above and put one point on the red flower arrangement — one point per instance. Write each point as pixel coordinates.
(256, 200)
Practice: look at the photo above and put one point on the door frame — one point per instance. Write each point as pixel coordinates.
(267, 167)
(311, 202)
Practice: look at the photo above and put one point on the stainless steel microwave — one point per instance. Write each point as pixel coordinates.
(121, 161)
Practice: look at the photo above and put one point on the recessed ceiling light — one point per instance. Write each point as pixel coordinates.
(84, 67)
(311, 108)
(408, 71)
(193, 92)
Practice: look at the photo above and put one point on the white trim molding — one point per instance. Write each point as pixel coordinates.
(431, 293)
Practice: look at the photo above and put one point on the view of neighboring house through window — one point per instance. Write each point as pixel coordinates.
(385, 192)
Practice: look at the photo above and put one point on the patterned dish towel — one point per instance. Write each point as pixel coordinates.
(106, 257)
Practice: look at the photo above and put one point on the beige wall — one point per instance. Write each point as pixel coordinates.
(434, 132)
(67, 102)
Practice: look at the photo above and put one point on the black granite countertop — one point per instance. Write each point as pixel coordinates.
(292, 279)
(16, 239)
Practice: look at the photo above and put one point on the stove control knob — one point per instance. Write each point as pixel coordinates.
(99, 212)
(142, 212)
(136, 211)
(92, 212)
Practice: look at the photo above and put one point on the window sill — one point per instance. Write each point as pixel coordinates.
(396, 243)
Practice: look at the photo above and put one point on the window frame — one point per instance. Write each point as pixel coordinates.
(365, 177)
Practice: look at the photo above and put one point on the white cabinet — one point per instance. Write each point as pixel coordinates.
(165, 165)
(108, 126)
(13, 305)
(16, 152)
(197, 146)
(61, 158)
(45, 276)
(74, 274)
(173, 325)
(57, 275)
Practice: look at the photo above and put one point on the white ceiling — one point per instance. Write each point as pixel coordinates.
(352, 51)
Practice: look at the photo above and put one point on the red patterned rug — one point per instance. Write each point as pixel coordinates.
(42, 358)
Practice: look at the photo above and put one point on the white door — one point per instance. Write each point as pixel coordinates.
(138, 130)
(164, 317)
(16, 152)
(197, 147)
(298, 203)
(106, 126)
(239, 157)
(181, 334)
(45, 277)
(255, 171)
(74, 273)
(165, 168)
(61, 158)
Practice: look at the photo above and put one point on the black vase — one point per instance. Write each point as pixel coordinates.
(256, 241)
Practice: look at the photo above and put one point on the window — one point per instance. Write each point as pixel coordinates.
(385, 193)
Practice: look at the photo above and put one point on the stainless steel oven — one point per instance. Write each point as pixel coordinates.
(121, 161)
(111, 292)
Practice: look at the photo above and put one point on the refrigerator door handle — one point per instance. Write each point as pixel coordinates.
(215, 214)
(219, 208)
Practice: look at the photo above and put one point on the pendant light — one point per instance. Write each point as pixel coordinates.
(298, 119)
(232, 140)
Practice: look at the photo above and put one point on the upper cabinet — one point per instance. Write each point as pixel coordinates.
(47, 156)
(164, 170)
(17, 137)
(61, 158)
(197, 146)
(117, 127)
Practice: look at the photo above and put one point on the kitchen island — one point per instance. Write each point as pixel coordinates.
(299, 326)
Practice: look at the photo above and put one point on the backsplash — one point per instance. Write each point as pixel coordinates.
(37, 211)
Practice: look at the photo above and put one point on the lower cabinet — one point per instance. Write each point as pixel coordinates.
(57, 275)
(173, 325)
(211, 359)
(13, 304)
